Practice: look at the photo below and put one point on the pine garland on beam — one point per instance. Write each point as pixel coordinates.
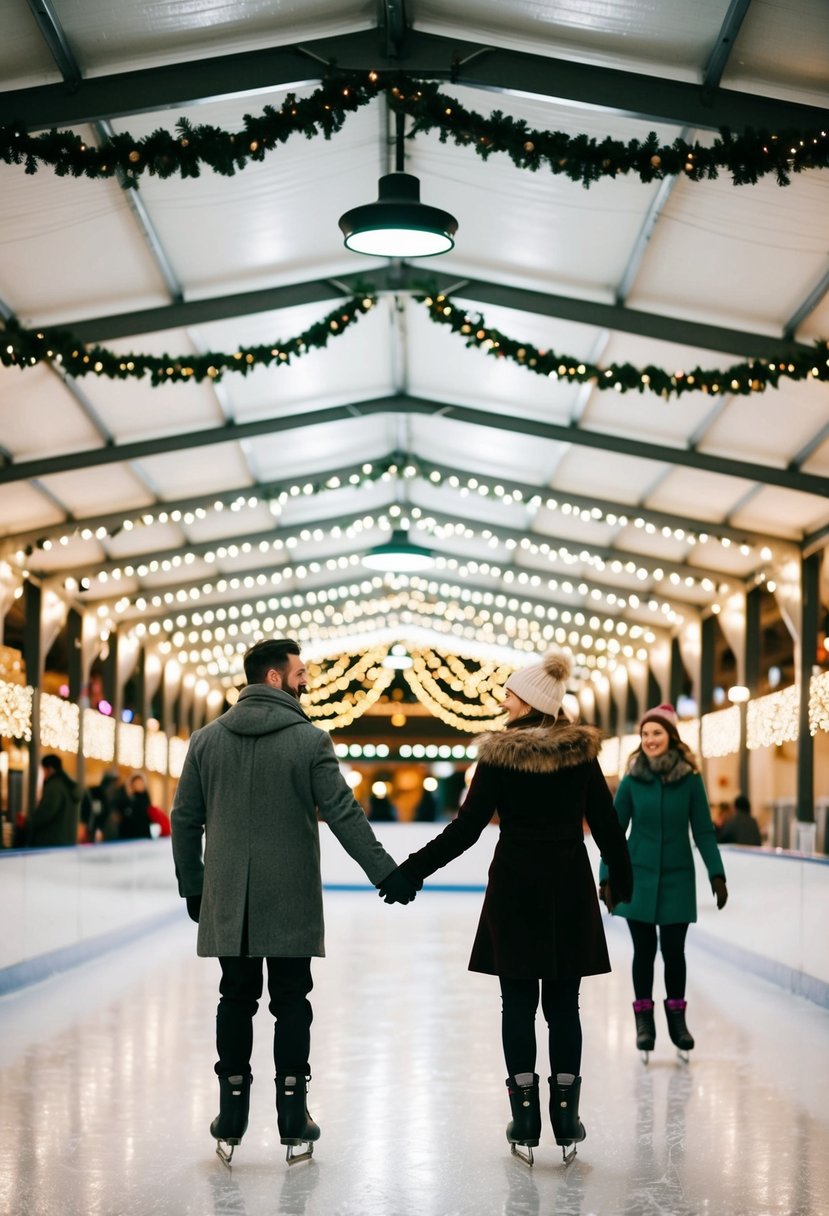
(747, 156)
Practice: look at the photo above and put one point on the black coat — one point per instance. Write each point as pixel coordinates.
(541, 913)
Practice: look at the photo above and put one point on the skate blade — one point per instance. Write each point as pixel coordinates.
(568, 1153)
(222, 1153)
(293, 1157)
(683, 1055)
(646, 1055)
(526, 1157)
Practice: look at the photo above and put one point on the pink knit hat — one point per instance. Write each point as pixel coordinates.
(665, 715)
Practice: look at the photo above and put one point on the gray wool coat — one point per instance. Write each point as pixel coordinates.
(251, 785)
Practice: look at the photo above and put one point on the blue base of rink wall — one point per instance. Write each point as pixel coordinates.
(797, 982)
(43, 966)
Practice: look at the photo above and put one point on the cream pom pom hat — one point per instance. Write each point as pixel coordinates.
(544, 684)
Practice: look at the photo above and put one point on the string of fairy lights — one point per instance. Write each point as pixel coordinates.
(26, 348)
(435, 678)
(747, 156)
(274, 496)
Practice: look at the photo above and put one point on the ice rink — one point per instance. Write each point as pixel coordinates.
(107, 1088)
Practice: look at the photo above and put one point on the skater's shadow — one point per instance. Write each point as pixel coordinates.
(654, 1180)
(562, 1187)
(227, 1197)
(298, 1185)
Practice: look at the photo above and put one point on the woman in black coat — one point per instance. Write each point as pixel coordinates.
(540, 926)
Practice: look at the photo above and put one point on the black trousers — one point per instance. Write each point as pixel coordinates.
(560, 1006)
(289, 982)
(672, 946)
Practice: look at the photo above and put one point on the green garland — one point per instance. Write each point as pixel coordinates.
(744, 378)
(26, 348)
(747, 157)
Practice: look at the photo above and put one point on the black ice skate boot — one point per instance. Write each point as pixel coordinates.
(525, 1126)
(231, 1123)
(645, 1027)
(681, 1036)
(568, 1128)
(296, 1126)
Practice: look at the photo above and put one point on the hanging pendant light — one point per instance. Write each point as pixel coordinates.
(399, 225)
(399, 555)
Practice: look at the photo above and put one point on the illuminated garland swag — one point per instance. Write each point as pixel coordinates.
(747, 156)
(25, 348)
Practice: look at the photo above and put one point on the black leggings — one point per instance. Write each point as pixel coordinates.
(560, 1005)
(672, 945)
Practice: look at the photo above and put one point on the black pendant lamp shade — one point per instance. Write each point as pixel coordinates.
(398, 225)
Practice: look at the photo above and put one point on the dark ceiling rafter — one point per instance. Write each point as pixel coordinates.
(478, 292)
(632, 94)
(791, 479)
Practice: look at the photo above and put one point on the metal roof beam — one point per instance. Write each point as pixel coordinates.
(791, 479)
(632, 94)
(392, 280)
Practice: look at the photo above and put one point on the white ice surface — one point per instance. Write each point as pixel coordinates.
(107, 1089)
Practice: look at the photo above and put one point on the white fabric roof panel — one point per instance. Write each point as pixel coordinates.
(657, 36)
(737, 257)
(125, 36)
(71, 249)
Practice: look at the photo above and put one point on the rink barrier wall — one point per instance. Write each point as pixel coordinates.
(60, 907)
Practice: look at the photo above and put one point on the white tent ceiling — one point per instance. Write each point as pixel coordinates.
(612, 490)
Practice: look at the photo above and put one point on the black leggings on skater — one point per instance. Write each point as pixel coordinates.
(560, 1006)
(672, 945)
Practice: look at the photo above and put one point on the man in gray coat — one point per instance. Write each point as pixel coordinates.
(252, 784)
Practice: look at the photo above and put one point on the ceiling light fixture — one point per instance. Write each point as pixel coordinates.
(399, 555)
(399, 225)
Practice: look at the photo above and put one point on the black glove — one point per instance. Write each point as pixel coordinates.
(605, 895)
(193, 906)
(720, 891)
(398, 888)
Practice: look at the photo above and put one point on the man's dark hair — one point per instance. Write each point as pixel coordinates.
(53, 763)
(741, 803)
(264, 655)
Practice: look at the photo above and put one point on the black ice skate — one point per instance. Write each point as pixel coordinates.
(296, 1127)
(231, 1123)
(681, 1036)
(645, 1027)
(568, 1128)
(525, 1126)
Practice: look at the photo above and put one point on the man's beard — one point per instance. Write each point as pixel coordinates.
(296, 693)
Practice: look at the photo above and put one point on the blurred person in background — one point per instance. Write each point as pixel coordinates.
(54, 821)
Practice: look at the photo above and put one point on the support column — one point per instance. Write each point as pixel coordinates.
(74, 673)
(677, 677)
(809, 617)
(706, 673)
(33, 658)
(751, 668)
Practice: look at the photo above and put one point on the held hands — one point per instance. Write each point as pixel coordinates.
(193, 906)
(606, 895)
(720, 891)
(398, 888)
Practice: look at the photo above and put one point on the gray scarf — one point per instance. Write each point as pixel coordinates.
(671, 766)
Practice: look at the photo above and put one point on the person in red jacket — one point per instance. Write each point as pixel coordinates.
(540, 929)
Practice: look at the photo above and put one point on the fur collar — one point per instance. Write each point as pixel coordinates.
(539, 749)
(668, 768)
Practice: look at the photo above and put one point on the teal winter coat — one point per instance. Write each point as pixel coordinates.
(660, 809)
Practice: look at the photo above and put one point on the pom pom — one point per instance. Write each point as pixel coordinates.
(556, 665)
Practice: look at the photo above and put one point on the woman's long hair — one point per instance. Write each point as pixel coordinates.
(674, 743)
(538, 719)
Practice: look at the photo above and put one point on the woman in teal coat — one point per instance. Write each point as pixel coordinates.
(660, 797)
